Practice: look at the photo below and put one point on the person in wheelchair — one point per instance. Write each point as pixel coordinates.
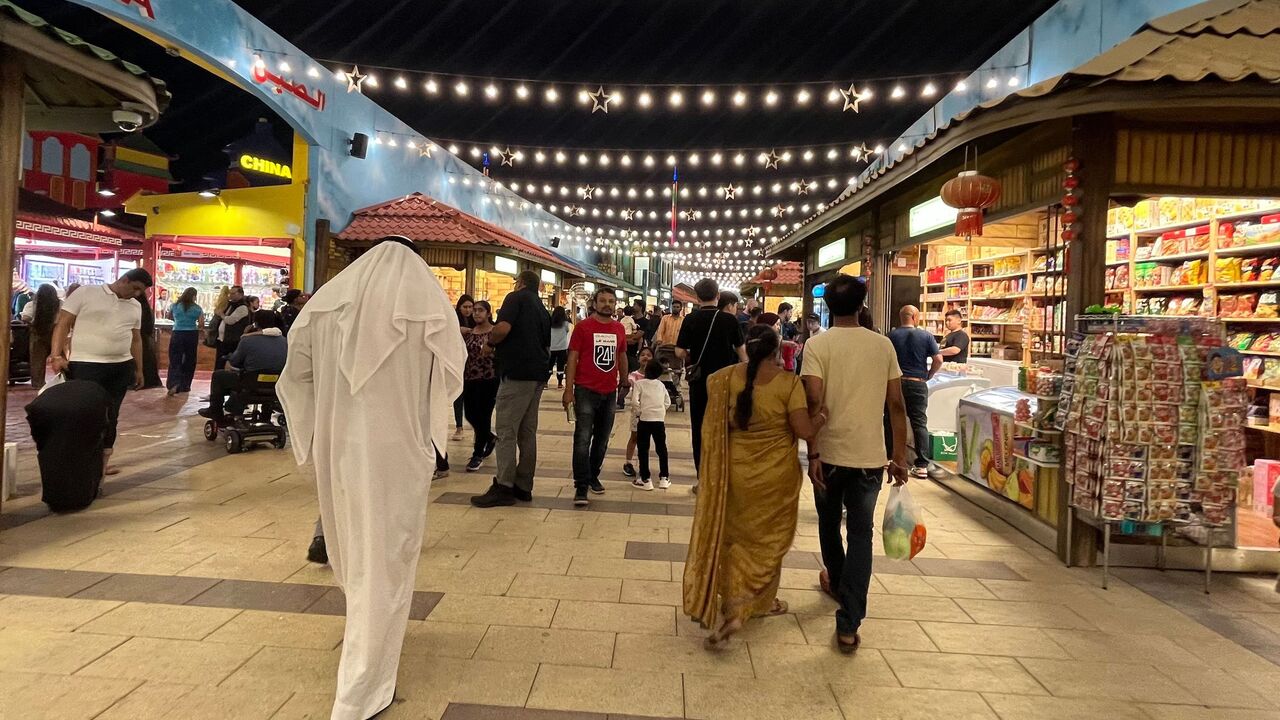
(261, 351)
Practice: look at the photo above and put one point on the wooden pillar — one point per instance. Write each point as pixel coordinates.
(469, 284)
(323, 242)
(1093, 145)
(12, 101)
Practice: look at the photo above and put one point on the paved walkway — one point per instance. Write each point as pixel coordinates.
(185, 593)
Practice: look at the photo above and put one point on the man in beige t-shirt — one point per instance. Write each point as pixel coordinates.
(851, 374)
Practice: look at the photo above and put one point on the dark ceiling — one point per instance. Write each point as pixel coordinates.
(590, 41)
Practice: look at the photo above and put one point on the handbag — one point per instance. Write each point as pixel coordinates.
(693, 373)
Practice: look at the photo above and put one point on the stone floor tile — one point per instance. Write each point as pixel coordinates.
(1025, 614)
(613, 568)
(33, 696)
(250, 595)
(915, 607)
(728, 698)
(948, 671)
(776, 629)
(658, 535)
(59, 614)
(547, 645)
(56, 653)
(1011, 707)
(149, 701)
(652, 592)
(680, 654)
(239, 567)
(1007, 640)
(1117, 681)
(475, 579)
(1217, 688)
(429, 683)
(448, 639)
(492, 610)
(166, 589)
(577, 547)
(306, 706)
(608, 691)
(173, 622)
(876, 633)
(257, 627)
(566, 587)
(807, 602)
(217, 703)
(176, 661)
(815, 662)
(1199, 712)
(1118, 647)
(47, 582)
(497, 561)
(908, 585)
(858, 701)
(311, 671)
(615, 617)
(953, 587)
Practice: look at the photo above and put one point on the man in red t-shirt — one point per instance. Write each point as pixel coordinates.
(597, 367)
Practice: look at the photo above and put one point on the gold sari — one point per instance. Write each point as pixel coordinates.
(748, 499)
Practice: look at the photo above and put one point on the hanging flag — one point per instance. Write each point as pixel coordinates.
(675, 193)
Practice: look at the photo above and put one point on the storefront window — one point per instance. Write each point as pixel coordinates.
(453, 281)
(207, 278)
(493, 286)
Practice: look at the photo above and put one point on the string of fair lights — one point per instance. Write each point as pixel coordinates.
(773, 157)
(604, 98)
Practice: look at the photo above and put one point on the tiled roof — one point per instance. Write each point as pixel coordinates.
(684, 294)
(423, 219)
(789, 273)
(60, 228)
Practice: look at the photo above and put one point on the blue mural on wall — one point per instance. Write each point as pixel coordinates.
(318, 106)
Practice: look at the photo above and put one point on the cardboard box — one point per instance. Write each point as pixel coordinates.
(942, 445)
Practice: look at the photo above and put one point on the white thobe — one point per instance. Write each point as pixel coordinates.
(374, 364)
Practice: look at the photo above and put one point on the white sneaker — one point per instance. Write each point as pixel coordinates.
(641, 484)
(919, 472)
(664, 483)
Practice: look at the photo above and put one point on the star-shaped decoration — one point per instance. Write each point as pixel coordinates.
(690, 214)
(861, 152)
(851, 98)
(771, 160)
(600, 100)
(730, 192)
(573, 211)
(778, 210)
(508, 157)
(355, 80)
(629, 214)
(752, 231)
(589, 192)
(425, 150)
(802, 187)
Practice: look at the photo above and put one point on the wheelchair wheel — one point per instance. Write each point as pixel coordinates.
(235, 443)
(278, 443)
(210, 430)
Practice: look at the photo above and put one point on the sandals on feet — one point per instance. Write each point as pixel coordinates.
(846, 645)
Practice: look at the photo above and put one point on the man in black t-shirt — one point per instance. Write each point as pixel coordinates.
(709, 340)
(522, 345)
(955, 346)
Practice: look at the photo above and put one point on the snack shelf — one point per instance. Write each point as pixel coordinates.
(1263, 353)
(976, 321)
(992, 258)
(1048, 271)
(1114, 263)
(1036, 430)
(1174, 258)
(1037, 463)
(1255, 284)
(1002, 276)
(1250, 320)
(1192, 223)
(1248, 249)
(1171, 288)
(1015, 296)
(1260, 386)
(957, 282)
(1275, 429)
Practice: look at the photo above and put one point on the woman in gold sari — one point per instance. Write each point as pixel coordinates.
(745, 520)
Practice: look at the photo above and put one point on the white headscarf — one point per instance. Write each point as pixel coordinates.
(375, 298)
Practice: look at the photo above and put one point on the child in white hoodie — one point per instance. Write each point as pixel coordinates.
(649, 403)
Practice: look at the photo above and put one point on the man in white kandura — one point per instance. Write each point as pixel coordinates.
(375, 362)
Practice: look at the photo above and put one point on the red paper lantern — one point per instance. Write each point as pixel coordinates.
(1071, 182)
(1069, 218)
(1071, 165)
(1070, 200)
(970, 193)
(1068, 234)
(769, 274)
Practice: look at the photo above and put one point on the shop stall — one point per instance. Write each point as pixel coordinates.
(1141, 182)
(62, 249)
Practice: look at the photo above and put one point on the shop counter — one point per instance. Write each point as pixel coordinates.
(1001, 373)
(945, 391)
(164, 332)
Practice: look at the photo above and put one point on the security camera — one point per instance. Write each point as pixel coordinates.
(127, 120)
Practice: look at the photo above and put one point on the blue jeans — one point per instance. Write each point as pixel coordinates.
(593, 415)
(854, 489)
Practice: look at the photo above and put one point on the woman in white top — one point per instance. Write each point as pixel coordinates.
(561, 329)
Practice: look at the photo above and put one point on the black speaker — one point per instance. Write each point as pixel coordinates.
(359, 145)
(555, 242)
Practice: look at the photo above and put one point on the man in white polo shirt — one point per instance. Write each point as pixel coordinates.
(107, 346)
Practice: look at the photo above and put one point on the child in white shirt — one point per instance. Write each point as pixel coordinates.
(628, 468)
(650, 401)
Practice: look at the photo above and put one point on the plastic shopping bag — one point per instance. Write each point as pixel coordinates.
(55, 380)
(903, 527)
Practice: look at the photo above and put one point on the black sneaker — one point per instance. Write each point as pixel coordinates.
(580, 497)
(629, 470)
(489, 446)
(596, 487)
(318, 553)
(522, 495)
(474, 463)
(497, 495)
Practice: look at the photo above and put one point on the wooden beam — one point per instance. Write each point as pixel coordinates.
(11, 105)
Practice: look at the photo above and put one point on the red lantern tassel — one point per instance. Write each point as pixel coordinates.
(969, 222)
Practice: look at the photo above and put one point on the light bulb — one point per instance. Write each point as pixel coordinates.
(522, 92)
(962, 86)
(833, 95)
(808, 155)
(898, 92)
(432, 87)
(676, 98)
(715, 159)
(552, 95)
(402, 83)
(992, 83)
(648, 161)
(832, 154)
(1013, 81)
(708, 97)
(491, 91)
(771, 98)
(284, 66)
(802, 97)
(560, 157)
(539, 156)
(739, 98)
(739, 159)
(929, 90)
(461, 88)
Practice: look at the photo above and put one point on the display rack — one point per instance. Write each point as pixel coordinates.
(1144, 461)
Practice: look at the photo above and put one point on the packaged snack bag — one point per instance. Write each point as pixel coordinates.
(1268, 269)
(1249, 269)
(1228, 270)
(1267, 306)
